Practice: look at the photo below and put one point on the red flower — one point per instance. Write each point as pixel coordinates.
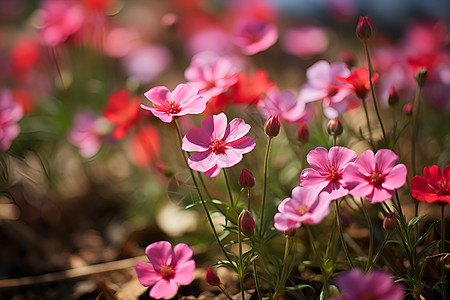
(145, 146)
(122, 112)
(359, 81)
(251, 89)
(433, 186)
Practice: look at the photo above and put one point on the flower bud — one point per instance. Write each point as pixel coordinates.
(408, 109)
(364, 29)
(212, 278)
(272, 126)
(421, 76)
(247, 223)
(303, 133)
(393, 97)
(334, 127)
(390, 222)
(246, 180)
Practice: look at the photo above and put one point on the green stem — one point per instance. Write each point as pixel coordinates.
(400, 211)
(379, 253)
(230, 195)
(369, 224)
(287, 246)
(53, 51)
(341, 235)
(263, 207)
(316, 254)
(241, 264)
(368, 121)
(249, 198)
(372, 90)
(255, 275)
(211, 223)
(415, 128)
(444, 287)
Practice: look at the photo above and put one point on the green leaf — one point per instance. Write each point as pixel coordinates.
(414, 220)
(218, 202)
(298, 287)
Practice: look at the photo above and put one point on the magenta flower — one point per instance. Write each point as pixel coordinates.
(84, 133)
(323, 85)
(327, 169)
(218, 144)
(10, 113)
(182, 101)
(167, 268)
(377, 285)
(211, 73)
(287, 106)
(375, 176)
(306, 205)
(254, 36)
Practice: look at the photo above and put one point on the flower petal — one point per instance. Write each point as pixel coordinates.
(164, 289)
(158, 95)
(340, 157)
(195, 140)
(385, 160)
(318, 159)
(202, 161)
(396, 178)
(366, 163)
(380, 194)
(146, 274)
(159, 254)
(183, 92)
(184, 272)
(236, 129)
(181, 253)
(214, 126)
(243, 145)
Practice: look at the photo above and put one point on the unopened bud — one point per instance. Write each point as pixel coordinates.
(272, 126)
(408, 109)
(390, 222)
(334, 127)
(212, 278)
(421, 76)
(393, 97)
(364, 29)
(247, 223)
(246, 180)
(303, 133)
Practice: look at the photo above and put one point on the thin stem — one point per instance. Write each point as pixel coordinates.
(316, 254)
(372, 90)
(255, 275)
(211, 223)
(367, 119)
(249, 198)
(379, 253)
(52, 50)
(263, 207)
(241, 264)
(230, 195)
(400, 211)
(225, 292)
(415, 128)
(369, 223)
(287, 246)
(444, 290)
(334, 140)
(341, 235)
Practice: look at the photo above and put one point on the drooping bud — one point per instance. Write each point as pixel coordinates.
(212, 278)
(408, 109)
(421, 76)
(246, 180)
(364, 29)
(272, 126)
(393, 97)
(247, 223)
(303, 133)
(334, 127)
(390, 222)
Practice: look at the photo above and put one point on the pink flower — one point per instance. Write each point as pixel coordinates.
(84, 134)
(287, 106)
(182, 101)
(377, 285)
(211, 73)
(219, 145)
(147, 62)
(61, 19)
(306, 205)
(167, 268)
(375, 176)
(305, 41)
(10, 113)
(323, 85)
(327, 169)
(254, 36)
